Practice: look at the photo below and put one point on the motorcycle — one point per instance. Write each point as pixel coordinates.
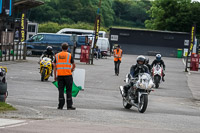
(3, 84)
(45, 68)
(157, 74)
(138, 93)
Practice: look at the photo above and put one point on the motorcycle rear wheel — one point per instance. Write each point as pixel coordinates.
(126, 105)
(142, 106)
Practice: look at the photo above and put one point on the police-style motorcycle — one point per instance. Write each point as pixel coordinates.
(138, 93)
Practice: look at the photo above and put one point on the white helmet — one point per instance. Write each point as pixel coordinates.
(158, 57)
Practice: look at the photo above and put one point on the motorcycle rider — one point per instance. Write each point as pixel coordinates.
(49, 54)
(140, 67)
(159, 61)
(147, 64)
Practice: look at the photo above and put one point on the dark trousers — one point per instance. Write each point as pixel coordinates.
(62, 82)
(117, 64)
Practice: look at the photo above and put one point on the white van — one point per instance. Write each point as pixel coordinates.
(104, 46)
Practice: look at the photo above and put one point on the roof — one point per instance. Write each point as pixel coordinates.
(78, 30)
(26, 4)
(137, 29)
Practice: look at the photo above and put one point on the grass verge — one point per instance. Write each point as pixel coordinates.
(6, 107)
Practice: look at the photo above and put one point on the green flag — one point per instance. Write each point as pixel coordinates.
(75, 89)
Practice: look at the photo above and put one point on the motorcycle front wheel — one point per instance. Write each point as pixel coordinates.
(126, 104)
(142, 106)
(156, 81)
(43, 74)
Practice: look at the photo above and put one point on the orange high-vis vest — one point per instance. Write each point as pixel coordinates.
(63, 64)
(117, 55)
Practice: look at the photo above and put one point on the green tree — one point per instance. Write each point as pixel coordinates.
(130, 13)
(173, 15)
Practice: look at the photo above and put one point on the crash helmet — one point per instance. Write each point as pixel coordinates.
(158, 57)
(49, 49)
(140, 58)
(147, 61)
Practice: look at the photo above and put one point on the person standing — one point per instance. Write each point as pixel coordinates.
(117, 59)
(63, 67)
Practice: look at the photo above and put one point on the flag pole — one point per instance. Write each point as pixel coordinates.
(96, 30)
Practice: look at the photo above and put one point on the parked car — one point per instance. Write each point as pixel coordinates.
(104, 46)
(38, 43)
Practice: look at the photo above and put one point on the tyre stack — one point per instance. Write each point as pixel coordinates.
(3, 84)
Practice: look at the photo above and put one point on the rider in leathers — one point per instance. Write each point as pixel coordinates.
(135, 70)
(147, 64)
(50, 54)
(160, 62)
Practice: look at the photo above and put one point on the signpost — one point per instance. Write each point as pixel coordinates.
(194, 64)
(85, 54)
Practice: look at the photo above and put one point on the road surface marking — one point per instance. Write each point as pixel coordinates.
(11, 123)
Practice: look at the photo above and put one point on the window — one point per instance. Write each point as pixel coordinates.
(31, 28)
(30, 36)
(38, 38)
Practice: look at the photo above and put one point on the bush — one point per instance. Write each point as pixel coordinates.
(51, 27)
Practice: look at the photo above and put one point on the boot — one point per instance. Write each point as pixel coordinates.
(163, 79)
(71, 108)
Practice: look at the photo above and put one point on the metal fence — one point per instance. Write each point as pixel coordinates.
(10, 49)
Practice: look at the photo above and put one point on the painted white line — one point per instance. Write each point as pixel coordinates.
(16, 125)
(5, 122)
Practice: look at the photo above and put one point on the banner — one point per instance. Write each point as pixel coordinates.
(8, 7)
(23, 27)
(97, 29)
(192, 39)
(1, 6)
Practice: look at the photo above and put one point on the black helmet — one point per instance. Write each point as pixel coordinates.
(141, 58)
(49, 49)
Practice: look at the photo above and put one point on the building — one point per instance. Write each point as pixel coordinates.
(148, 42)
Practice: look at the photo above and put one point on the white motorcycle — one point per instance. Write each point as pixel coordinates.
(157, 74)
(137, 95)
